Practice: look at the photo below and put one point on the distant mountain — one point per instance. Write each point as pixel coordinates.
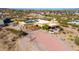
(39, 8)
(46, 8)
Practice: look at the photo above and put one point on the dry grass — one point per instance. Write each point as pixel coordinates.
(7, 40)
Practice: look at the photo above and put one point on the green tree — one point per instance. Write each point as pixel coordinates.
(45, 27)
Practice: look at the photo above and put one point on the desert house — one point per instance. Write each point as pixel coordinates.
(51, 23)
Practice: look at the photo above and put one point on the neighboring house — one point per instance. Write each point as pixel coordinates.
(30, 21)
(76, 22)
(50, 23)
(41, 22)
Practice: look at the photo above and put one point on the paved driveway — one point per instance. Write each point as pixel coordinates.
(49, 42)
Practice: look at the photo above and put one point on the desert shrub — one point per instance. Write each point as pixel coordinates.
(19, 32)
(45, 27)
(77, 40)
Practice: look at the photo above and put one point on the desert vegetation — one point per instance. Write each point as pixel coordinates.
(9, 38)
